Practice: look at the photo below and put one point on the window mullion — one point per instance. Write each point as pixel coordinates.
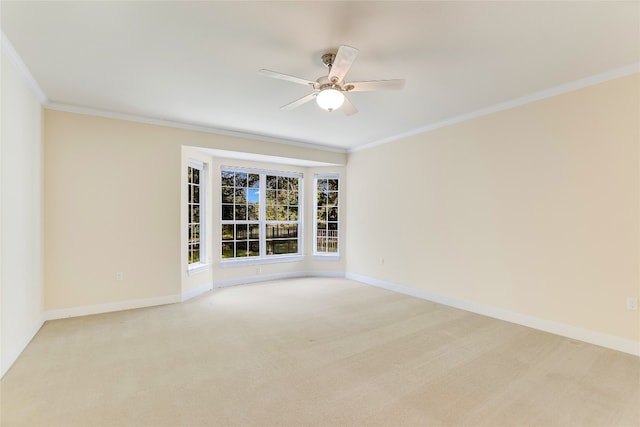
(263, 215)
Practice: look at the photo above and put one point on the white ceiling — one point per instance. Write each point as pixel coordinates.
(196, 63)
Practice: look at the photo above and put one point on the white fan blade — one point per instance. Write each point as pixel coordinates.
(287, 77)
(342, 62)
(347, 107)
(375, 85)
(299, 102)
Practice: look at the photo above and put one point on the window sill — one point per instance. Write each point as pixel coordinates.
(197, 268)
(257, 261)
(323, 257)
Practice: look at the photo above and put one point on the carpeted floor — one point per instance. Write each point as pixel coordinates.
(313, 352)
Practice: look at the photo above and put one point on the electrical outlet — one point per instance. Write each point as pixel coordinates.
(632, 303)
(119, 276)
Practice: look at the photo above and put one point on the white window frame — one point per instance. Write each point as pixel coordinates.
(202, 263)
(316, 253)
(263, 258)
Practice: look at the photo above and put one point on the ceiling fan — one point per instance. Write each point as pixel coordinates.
(329, 91)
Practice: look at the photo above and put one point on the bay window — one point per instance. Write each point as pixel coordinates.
(260, 215)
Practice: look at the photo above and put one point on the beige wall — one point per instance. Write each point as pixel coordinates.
(532, 210)
(115, 192)
(21, 214)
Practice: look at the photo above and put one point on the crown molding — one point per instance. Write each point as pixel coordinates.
(187, 126)
(547, 93)
(17, 61)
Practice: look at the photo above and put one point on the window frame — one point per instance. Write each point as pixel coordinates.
(316, 253)
(202, 262)
(263, 258)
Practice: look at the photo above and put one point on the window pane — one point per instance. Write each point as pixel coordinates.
(291, 230)
(227, 212)
(254, 231)
(271, 230)
(253, 195)
(227, 232)
(333, 226)
(196, 176)
(194, 213)
(271, 197)
(283, 197)
(322, 199)
(332, 238)
(333, 214)
(227, 195)
(241, 232)
(241, 249)
(293, 184)
(227, 250)
(241, 179)
(254, 248)
(194, 233)
(195, 257)
(271, 213)
(283, 182)
(322, 185)
(282, 215)
(321, 244)
(241, 196)
(189, 174)
(241, 213)
(253, 180)
(253, 212)
(293, 213)
(272, 182)
(333, 184)
(321, 226)
(194, 194)
(322, 214)
(333, 198)
(227, 178)
(281, 247)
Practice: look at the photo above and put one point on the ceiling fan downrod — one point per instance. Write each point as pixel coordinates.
(328, 58)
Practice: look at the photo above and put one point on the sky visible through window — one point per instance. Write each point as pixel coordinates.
(253, 195)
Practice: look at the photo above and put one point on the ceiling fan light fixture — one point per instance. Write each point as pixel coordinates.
(330, 99)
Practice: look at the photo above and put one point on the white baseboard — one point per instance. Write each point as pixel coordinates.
(265, 278)
(171, 299)
(15, 353)
(337, 274)
(256, 279)
(197, 291)
(109, 307)
(557, 328)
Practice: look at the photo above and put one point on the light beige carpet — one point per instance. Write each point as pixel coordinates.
(313, 352)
